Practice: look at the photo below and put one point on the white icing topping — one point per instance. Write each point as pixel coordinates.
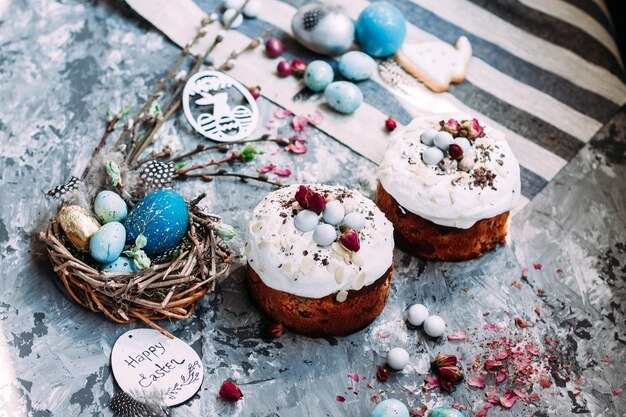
(450, 199)
(288, 260)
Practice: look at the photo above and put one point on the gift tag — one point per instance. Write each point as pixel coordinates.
(218, 107)
(147, 363)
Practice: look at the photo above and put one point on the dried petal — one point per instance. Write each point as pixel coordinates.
(296, 147)
(483, 411)
(430, 383)
(492, 397)
(230, 392)
(450, 373)
(545, 381)
(299, 122)
(444, 360)
(340, 398)
(282, 172)
(532, 349)
(500, 377)
(490, 364)
(420, 413)
(521, 323)
(537, 266)
(477, 381)
(282, 113)
(508, 399)
(617, 391)
(460, 335)
(274, 330)
(354, 377)
(315, 118)
(382, 374)
(267, 168)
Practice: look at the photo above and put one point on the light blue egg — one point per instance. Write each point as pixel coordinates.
(464, 143)
(109, 207)
(380, 29)
(108, 242)
(445, 411)
(318, 75)
(443, 140)
(324, 234)
(306, 220)
(428, 136)
(162, 218)
(354, 220)
(356, 66)
(343, 96)
(121, 264)
(390, 408)
(432, 156)
(333, 212)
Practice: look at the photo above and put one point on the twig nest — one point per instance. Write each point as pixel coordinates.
(398, 358)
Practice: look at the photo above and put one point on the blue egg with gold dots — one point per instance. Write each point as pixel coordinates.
(445, 411)
(162, 218)
(390, 408)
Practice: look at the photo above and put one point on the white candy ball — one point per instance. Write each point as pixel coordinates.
(464, 143)
(432, 156)
(324, 234)
(428, 136)
(253, 9)
(228, 15)
(398, 358)
(233, 4)
(442, 140)
(306, 220)
(416, 314)
(354, 220)
(434, 326)
(333, 212)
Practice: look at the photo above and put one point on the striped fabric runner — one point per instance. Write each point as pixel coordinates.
(546, 72)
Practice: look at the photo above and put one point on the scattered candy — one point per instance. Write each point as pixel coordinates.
(343, 96)
(323, 28)
(306, 220)
(283, 69)
(274, 47)
(416, 314)
(318, 75)
(434, 326)
(391, 124)
(380, 29)
(356, 66)
(432, 156)
(228, 15)
(354, 220)
(298, 67)
(390, 408)
(442, 140)
(334, 212)
(428, 136)
(324, 234)
(398, 358)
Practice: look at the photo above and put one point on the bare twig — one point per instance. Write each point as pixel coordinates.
(110, 127)
(223, 173)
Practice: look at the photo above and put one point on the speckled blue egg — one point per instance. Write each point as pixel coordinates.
(306, 220)
(324, 234)
(121, 264)
(318, 75)
(162, 218)
(445, 411)
(109, 207)
(380, 29)
(108, 242)
(390, 408)
(354, 220)
(356, 66)
(343, 96)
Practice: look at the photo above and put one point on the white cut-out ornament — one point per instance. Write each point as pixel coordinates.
(219, 107)
(148, 364)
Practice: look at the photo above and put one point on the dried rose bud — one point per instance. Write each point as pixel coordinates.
(274, 330)
(450, 373)
(451, 126)
(391, 124)
(255, 92)
(473, 128)
(230, 392)
(382, 374)
(350, 240)
(298, 67)
(444, 360)
(309, 199)
(455, 152)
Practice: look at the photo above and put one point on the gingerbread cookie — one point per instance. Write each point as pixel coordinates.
(436, 63)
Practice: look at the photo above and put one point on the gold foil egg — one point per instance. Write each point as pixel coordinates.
(78, 225)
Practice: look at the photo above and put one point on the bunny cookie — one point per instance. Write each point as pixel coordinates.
(436, 63)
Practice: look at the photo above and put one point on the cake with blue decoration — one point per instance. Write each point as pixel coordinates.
(320, 259)
(448, 187)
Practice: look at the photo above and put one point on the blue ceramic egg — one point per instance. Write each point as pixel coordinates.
(445, 411)
(162, 218)
(318, 75)
(390, 408)
(343, 96)
(109, 207)
(380, 29)
(356, 66)
(121, 264)
(108, 242)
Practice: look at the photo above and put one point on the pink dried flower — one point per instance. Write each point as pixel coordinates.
(309, 199)
(230, 392)
(282, 172)
(282, 113)
(451, 126)
(299, 122)
(267, 168)
(508, 399)
(382, 375)
(450, 373)
(296, 147)
(472, 129)
(477, 381)
(444, 360)
(350, 240)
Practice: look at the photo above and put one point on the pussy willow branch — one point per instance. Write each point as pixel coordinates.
(110, 127)
(223, 173)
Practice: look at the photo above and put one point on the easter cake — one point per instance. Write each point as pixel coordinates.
(448, 187)
(320, 259)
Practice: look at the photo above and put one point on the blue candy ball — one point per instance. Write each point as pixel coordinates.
(390, 408)
(356, 66)
(318, 75)
(428, 136)
(109, 207)
(324, 234)
(162, 218)
(354, 220)
(333, 212)
(343, 96)
(306, 220)
(380, 29)
(445, 411)
(432, 156)
(108, 242)
(121, 264)
(443, 140)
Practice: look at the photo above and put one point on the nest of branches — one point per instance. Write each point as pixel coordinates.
(166, 290)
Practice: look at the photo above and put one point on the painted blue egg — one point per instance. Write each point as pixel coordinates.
(121, 264)
(445, 411)
(108, 242)
(343, 96)
(318, 75)
(390, 408)
(162, 218)
(109, 207)
(356, 66)
(380, 29)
